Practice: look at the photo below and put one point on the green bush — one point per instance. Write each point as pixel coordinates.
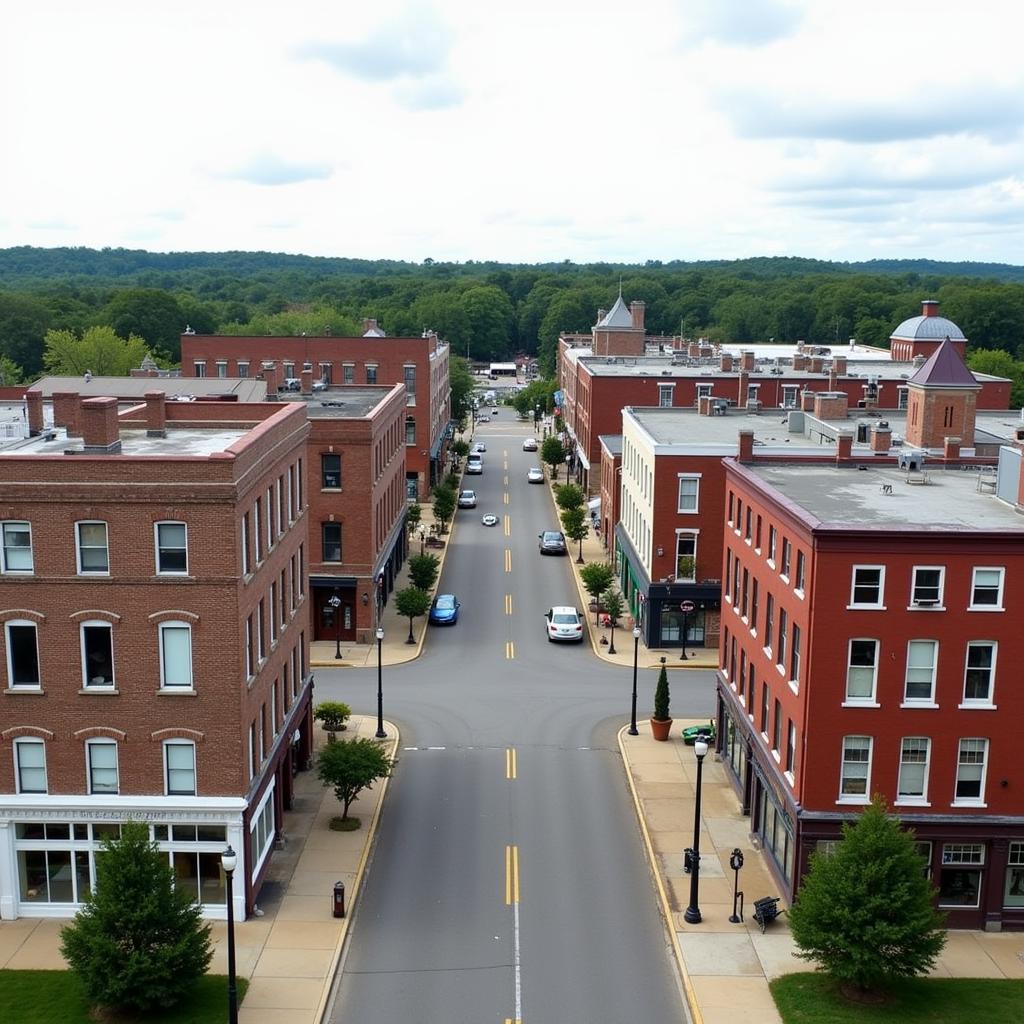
(332, 715)
(661, 698)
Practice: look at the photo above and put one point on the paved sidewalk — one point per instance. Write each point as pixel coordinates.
(290, 953)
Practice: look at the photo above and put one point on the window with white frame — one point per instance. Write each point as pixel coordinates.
(1013, 888)
(348, 373)
(176, 656)
(773, 539)
(789, 395)
(409, 373)
(222, 368)
(243, 368)
(980, 673)
(912, 784)
(97, 642)
(801, 570)
(686, 556)
(665, 395)
(703, 391)
(960, 874)
(780, 653)
(171, 549)
(410, 430)
(16, 554)
(769, 622)
(257, 522)
(200, 367)
(689, 493)
(91, 546)
(371, 373)
(987, 589)
(30, 764)
(787, 556)
(868, 586)
(922, 658)
(246, 562)
(179, 768)
(794, 657)
(971, 764)
(22, 654)
(861, 671)
(261, 831)
(101, 761)
(902, 396)
(249, 647)
(289, 371)
(855, 779)
(927, 586)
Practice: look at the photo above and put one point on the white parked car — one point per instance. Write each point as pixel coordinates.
(535, 475)
(474, 465)
(564, 623)
(479, 447)
(467, 499)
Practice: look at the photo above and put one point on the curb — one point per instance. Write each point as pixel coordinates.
(666, 911)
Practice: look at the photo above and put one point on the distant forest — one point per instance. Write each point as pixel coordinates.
(487, 311)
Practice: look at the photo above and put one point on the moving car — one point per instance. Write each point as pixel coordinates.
(479, 447)
(444, 611)
(530, 444)
(489, 520)
(552, 542)
(564, 623)
(535, 476)
(474, 465)
(467, 499)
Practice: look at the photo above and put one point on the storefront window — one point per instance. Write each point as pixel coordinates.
(960, 877)
(1013, 890)
(776, 833)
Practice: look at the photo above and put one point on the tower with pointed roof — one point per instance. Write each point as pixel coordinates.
(942, 400)
(620, 331)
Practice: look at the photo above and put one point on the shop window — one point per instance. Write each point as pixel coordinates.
(1013, 889)
(960, 874)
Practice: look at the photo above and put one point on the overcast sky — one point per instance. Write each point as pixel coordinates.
(520, 130)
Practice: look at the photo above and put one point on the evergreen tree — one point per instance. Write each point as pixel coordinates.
(865, 912)
(661, 698)
(138, 942)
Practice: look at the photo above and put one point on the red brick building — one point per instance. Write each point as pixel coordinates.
(869, 639)
(153, 641)
(420, 364)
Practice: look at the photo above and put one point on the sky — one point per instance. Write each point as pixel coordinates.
(523, 131)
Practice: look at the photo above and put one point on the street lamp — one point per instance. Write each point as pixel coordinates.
(686, 607)
(228, 861)
(636, 648)
(422, 531)
(692, 914)
(335, 603)
(380, 734)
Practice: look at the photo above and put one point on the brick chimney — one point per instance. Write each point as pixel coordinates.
(741, 389)
(951, 448)
(844, 445)
(272, 378)
(636, 308)
(881, 438)
(65, 411)
(747, 361)
(704, 407)
(831, 405)
(693, 350)
(307, 379)
(817, 364)
(100, 429)
(34, 412)
(725, 362)
(746, 452)
(930, 307)
(833, 380)
(807, 400)
(156, 414)
(799, 361)
(839, 366)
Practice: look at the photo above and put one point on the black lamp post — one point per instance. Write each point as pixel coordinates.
(692, 914)
(335, 603)
(636, 649)
(380, 733)
(685, 607)
(228, 861)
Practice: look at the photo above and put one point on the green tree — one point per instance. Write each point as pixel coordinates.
(552, 451)
(1000, 363)
(865, 911)
(662, 712)
(332, 715)
(10, 372)
(576, 527)
(151, 313)
(460, 449)
(597, 577)
(445, 502)
(614, 605)
(569, 496)
(461, 383)
(351, 766)
(24, 319)
(99, 351)
(412, 603)
(413, 515)
(138, 943)
(423, 570)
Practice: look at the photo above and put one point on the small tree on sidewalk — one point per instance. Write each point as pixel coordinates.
(351, 766)
(445, 500)
(576, 527)
(865, 911)
(138, 943)
(569, 496)
(423, 570)
(552, 451)
(597, 577)
(412, 603)
(613, 606)
(332, 715)
(413, 515)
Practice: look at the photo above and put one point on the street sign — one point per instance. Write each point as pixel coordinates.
(687, 606)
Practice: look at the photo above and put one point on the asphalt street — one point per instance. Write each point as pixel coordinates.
(508, 881)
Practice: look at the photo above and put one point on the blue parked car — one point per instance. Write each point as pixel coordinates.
(445, 610)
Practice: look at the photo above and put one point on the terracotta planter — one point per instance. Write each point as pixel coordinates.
(659, 729)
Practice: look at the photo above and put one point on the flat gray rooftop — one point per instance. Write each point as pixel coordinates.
(248, 389)
(346, 402)
(851, 498)
(179, 441)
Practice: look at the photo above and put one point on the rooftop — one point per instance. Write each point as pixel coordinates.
(850, 498)
(189, 441)
(248, 389)
(349, 401)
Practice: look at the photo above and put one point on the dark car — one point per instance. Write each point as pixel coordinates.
(551, 542)
(445, 610)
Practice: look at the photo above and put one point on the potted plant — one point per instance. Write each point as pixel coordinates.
(660, 720)
(687, 567)
(332, 715)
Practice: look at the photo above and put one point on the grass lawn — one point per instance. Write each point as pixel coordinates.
(815, 999)
(56, 997)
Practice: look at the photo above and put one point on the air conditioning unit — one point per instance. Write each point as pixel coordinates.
(925, 602)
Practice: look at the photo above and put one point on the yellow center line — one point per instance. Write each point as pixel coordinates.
(511, 875)
(506, 497)
(508, 559)
(510, 650)
(508, 527)
(506, 479)
(511, 765)
(508, 604)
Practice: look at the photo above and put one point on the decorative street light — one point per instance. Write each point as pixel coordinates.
(692, 914)
(686, 607)
(380, 734)
(636, 648)
(228, 861)
(421, 530)
(335, 603)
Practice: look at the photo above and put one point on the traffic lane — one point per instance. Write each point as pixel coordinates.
(432, 935)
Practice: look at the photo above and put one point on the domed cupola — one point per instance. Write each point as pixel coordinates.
(922, 335)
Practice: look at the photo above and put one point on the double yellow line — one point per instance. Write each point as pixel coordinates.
(511, 875)
(511, 763)
(508, 559)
